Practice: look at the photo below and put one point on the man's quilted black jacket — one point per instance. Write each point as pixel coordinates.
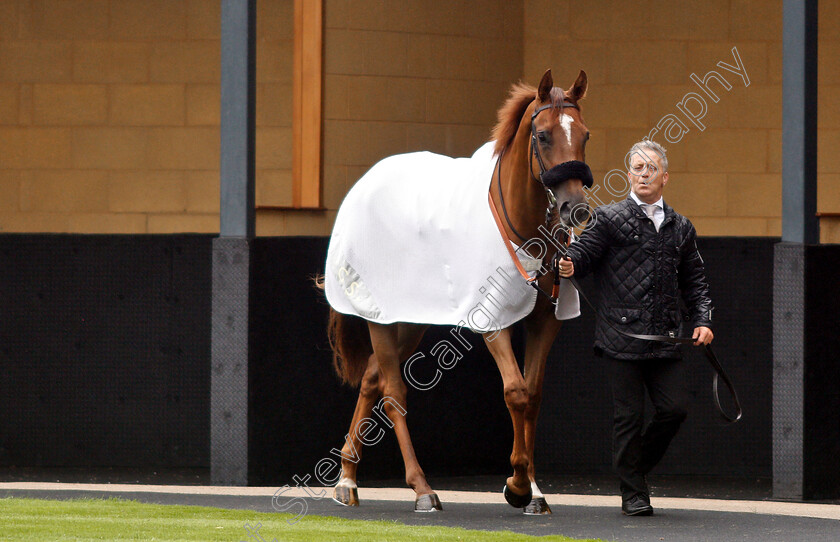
(641, 275)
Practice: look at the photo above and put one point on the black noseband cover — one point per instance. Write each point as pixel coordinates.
(573, 169)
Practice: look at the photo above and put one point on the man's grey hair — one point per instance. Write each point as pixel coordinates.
(645, 147)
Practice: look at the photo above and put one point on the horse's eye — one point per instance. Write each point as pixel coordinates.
(542, 137)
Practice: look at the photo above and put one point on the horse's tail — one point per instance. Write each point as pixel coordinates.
(350, 343)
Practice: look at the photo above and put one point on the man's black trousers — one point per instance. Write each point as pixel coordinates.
(636, 450)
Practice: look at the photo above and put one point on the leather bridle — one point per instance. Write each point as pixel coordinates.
(565, 233)
(534, 140)
(535, 153)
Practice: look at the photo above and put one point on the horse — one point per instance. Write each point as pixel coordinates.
(537, 183)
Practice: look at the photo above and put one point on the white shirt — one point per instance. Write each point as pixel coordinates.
(658, 209)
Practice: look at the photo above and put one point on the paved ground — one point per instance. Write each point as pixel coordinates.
(585, 508)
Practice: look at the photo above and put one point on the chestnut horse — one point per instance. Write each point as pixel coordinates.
(540, 135)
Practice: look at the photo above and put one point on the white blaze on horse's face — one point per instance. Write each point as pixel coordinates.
(566, 122)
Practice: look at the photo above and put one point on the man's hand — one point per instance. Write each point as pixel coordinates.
(567, 268)
(702, 335)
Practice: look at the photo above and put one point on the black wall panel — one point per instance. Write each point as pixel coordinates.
(822, 373)
(104, 344)
(461, 426)
(300, 411)
(104, 348)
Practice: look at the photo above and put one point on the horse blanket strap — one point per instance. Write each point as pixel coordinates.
(710, 356)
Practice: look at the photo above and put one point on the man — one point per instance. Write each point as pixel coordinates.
(645, 259)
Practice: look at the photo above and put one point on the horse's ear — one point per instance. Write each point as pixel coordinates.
(578, 90)
(547, 83)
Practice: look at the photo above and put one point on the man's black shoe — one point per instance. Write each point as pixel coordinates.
(637, 505)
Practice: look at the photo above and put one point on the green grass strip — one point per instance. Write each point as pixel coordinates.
(117, 519)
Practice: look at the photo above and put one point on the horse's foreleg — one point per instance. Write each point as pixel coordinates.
(540, 334)
(390, 344)
(518, 487)
(346, 491)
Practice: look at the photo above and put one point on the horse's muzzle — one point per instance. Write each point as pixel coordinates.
(573, 169)
(574, 216)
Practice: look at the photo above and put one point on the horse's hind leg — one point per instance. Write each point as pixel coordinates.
(390, 344)
(517, 487)
(346, 491)
(371, 389)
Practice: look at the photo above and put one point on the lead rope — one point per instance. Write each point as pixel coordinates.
(720, 374)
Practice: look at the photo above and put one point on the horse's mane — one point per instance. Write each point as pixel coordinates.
(510, 114)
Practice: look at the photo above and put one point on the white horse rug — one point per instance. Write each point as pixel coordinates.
(415, 241)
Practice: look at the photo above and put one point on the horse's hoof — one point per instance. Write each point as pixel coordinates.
(517, 501)
(537, 507)
(428, 503)
(346, 496)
